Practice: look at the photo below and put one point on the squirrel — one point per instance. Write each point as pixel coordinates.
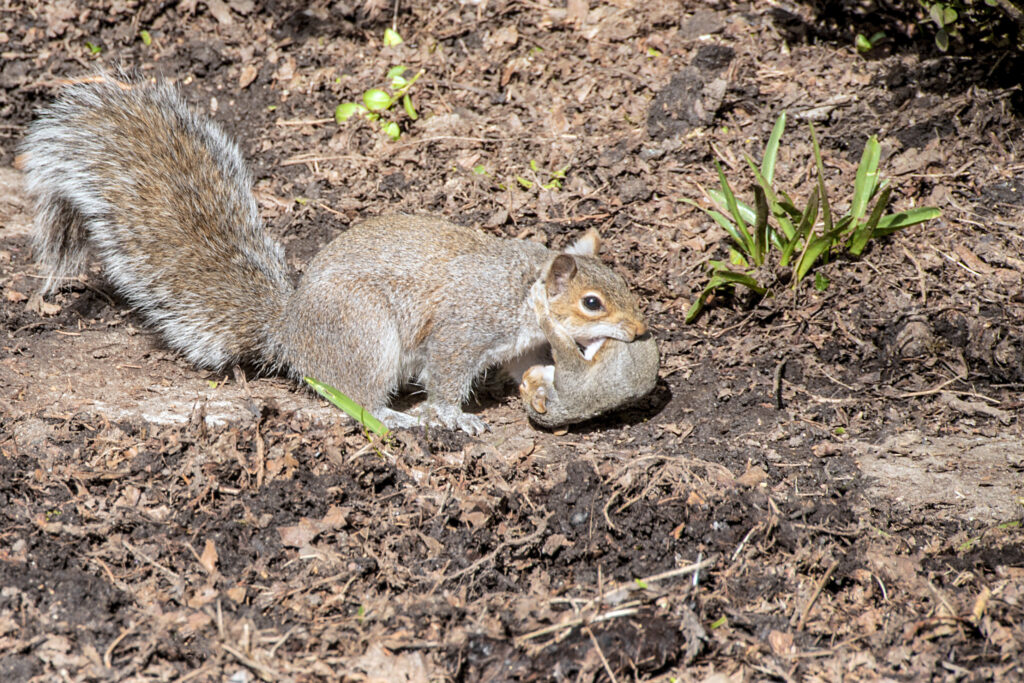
(583, 384)
(163, 198)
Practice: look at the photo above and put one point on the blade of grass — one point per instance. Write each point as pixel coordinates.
(771, 150)
(745, 209)
(730, 201)
(778, 210)
(867, 178)
(724, 223)
(761, 225)
(826, 210)
(865, 232)
(895, 221)
(353, 409)
(807, 222)
(815, 248)
(723, 277)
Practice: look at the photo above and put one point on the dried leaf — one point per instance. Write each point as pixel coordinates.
(209, 557)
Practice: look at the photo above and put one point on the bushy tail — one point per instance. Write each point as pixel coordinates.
(164, 200)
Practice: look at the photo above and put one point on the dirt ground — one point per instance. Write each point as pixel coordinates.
(844, 468)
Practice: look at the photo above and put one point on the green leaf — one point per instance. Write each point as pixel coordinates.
(862, 43)
(93, 48)
(695, 308)
(147, 39)
(942, 40)
(807, 222)
(391, 129)
(771, 150)
(737, 259)
(787, 204)
(897, 221)
(865, 232)
(821, 282)
(391, 37)
(723, 277)
(409, 109)
(746, 209)
(720, 278)
(353, 409)
(727, 225)
(524, 182)
(777, 209)
(867, 178)
(747, 242)
(826, 210)
(346, 110)
(480, 169)
(377, 100)
(760, 226)
(395, 71)
(814, 249)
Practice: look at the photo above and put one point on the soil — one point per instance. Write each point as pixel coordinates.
(844, 468)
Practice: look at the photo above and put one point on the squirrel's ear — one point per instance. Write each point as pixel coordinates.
(561, 271)
(587, 245)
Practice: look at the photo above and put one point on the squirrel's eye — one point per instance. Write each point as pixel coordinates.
(592, 303)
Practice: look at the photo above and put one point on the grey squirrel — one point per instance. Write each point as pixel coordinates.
(583, 384)
(163, 198)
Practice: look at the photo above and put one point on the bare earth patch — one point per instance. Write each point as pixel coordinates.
(824, 485)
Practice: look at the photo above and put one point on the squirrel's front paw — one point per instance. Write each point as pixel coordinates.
(453, 418)
(533, 387)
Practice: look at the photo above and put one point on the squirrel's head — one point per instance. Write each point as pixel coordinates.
(588, 299)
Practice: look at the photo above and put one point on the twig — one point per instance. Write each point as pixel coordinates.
(933, 390)
(263, 671)
(920, 276)
(600, 653)
(301, 122)
(578, 621)
(777, 383)
(739, 548)
(109, 654)
(814, 596)
(501, 546)
(150, 561)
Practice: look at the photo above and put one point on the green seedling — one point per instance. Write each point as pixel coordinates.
(865, 44)
(94, 49)
(378, 102)
(945, 16)
(391, 38)
(546, 180)
(350, 407)
(801, 237)
(147, 39)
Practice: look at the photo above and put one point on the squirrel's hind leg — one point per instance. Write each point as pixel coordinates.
(60, 240)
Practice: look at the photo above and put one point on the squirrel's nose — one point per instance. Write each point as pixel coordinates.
(640, 329)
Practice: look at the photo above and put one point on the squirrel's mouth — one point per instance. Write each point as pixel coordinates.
(589, 347)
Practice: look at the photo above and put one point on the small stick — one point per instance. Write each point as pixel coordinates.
(109, 654)
(814, 597)
(777, 383)
(600, 653)
(920, 276)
